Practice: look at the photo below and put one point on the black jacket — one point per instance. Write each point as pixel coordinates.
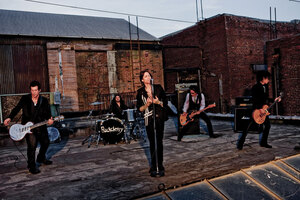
(35, 114)
(160, 93)
(260, 95)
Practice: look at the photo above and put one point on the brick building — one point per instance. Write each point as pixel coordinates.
(86, 58)
(221, 54)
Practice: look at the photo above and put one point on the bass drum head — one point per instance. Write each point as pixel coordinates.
(112, 130)
(53, 134)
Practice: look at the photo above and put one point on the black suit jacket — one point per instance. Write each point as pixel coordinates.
(35, 114)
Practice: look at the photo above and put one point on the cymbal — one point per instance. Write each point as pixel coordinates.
(108, 115)
(96, 103)
(129, 109)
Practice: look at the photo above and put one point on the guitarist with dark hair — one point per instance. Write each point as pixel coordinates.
(260, 112)
(35, 108)
(193, 108)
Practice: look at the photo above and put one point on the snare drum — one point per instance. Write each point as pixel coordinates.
(112, 130)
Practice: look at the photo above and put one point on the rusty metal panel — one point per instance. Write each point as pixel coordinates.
(92, 77)
(7, 85)
(30, 63)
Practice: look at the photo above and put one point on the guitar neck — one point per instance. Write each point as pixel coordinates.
(268, 109)
(39, 124)
(198, 112)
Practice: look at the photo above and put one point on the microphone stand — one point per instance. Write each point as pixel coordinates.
(154, 126)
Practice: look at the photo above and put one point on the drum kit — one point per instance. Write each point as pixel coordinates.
(112, 130)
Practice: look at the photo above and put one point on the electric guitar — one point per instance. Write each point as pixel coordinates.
(185, 119)
(259, 117)
(18, 131)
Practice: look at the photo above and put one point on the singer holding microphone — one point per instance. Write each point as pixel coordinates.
(151, 98)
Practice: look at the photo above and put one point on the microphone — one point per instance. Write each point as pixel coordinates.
(151, 81)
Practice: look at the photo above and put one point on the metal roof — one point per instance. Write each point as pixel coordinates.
(67, 26)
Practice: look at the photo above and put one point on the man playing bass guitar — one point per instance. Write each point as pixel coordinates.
(195, 101)
(260, 100)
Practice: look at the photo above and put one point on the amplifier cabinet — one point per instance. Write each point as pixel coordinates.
(242, 117)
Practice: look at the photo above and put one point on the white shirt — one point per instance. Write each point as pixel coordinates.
(187, 102)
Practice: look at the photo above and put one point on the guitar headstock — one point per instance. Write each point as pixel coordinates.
(59, 118)
(212, 105)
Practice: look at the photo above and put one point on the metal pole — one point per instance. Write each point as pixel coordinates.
(1, 117)
(201, 10)
(270, 37)
(154, 127)
(275, 23)
(197, 10)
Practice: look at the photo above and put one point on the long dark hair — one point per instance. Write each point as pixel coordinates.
(142, 75)
(114, 100)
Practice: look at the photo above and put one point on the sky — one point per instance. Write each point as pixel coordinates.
(181, 10)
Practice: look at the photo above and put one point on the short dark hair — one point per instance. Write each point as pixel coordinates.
(35, 83)
(194, 88)
(142, 75)
(262, 74)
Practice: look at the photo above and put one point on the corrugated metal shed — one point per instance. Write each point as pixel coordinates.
(67, 26)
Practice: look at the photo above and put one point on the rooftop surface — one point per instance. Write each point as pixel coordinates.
(120, 171)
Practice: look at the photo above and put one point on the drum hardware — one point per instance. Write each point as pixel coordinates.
(112, 130)
(93, 137)
(108, 115)
(135, 130)
(131, 114)
(96, 103)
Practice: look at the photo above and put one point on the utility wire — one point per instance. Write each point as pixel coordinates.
(112, 12)
(295, 1)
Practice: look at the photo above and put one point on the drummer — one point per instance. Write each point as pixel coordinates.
(117, 107)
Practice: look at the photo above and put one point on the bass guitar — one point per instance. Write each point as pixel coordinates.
(185, 119)
(18, 131)
(258, 116)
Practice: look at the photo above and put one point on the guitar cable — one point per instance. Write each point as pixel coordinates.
(17, 157)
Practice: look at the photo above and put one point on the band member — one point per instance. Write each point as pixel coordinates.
(146, 102)
(35, 108)
(260, 98)
(195, 101)
(117, 106)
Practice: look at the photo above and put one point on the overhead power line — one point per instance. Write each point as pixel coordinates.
(295, 1)
(111, 12)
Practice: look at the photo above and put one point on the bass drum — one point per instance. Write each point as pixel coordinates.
(112, 130)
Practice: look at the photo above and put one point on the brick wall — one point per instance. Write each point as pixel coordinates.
(284, 55)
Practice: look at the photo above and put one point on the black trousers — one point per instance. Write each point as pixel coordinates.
(159, 124)
(206, 119)
(32, 140)
(264, 129)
